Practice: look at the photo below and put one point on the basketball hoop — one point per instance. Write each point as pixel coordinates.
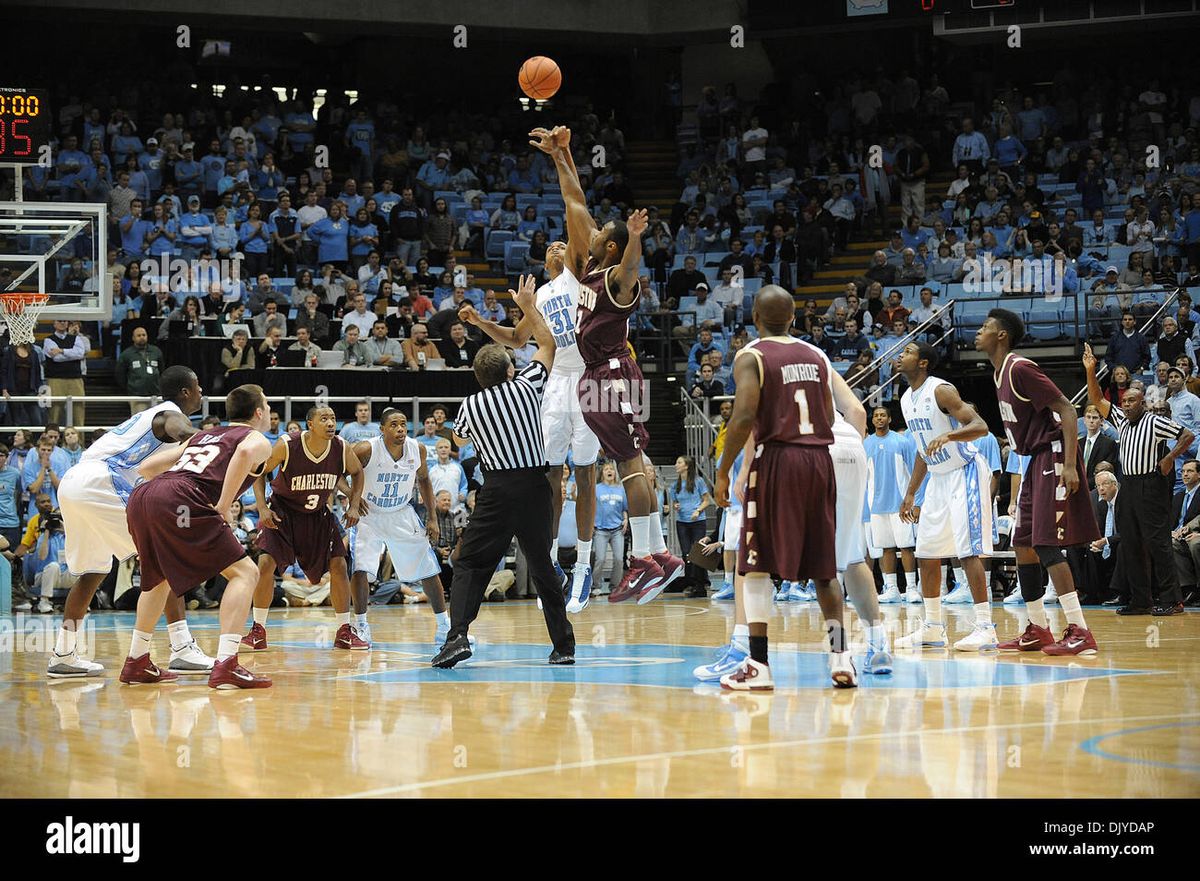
(21, 312)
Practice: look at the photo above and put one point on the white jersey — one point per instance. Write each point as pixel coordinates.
(558, 302)
(926, 421)
(388, 483)
(125, 447)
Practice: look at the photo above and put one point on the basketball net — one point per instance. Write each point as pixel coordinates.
(21, 313)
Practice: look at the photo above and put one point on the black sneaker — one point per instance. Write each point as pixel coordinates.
(1163, 611)
(697, 592)
(455, 650)
(557, 657)
(1135, 610)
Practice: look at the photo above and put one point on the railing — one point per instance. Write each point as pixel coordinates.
(45, 401)
(1101, 368)
(700, 433)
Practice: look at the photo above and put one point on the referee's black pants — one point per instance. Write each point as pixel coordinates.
(510, 503)
(1144, 524)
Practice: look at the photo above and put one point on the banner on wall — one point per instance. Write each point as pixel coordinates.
(866, 7)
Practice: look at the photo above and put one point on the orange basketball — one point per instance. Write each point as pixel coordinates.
(540, 77)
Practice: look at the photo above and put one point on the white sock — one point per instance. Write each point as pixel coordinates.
(443, 618)
(360, 621)
(65, 643)
(179, 635)
(987, 580)
(227, 645)
(260, 615)
(889, 581)
(741, 636)
(933, 610)
(1036, 609)
(342, 618)
(877, 637)
(912, 580)
(139, 645)
(583, 554)
(1070, 606)
(658, 545)
(983, 613)
(554, 550)
(640, 527)
(960, 577)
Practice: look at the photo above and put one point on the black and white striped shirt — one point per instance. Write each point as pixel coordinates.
(505, 421)
(1138, 443)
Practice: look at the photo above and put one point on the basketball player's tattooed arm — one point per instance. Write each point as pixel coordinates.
(174, 428)
(580, 223)
(425, 485)
(741, 423)
(253, 450)
(627, 271)
(266, 517)
(970, 423)
(1095, 395)
(354, 499)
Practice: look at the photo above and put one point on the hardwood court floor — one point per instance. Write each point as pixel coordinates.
(625, 721)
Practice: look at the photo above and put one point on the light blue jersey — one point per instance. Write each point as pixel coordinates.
(890, 461)
(989, 447)
(127, 446)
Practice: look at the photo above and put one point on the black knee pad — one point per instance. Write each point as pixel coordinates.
(1029, 577)
(1050, 556)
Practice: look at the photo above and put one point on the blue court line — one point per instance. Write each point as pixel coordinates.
(1091, 745)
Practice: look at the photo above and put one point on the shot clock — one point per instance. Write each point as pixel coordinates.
(24, 125)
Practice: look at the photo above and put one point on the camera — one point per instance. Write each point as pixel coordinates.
(53, 522)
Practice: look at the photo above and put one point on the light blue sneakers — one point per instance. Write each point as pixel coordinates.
(729, 659)
(878, 662)
(798, 593)
(961, 595)
(726, 593)
(781, 595)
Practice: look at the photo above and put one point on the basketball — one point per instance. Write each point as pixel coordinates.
(540, 77)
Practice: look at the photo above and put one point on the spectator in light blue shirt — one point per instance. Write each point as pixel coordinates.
(44, 468)
(133, 231)
(433, 175)
(10, 489)
(362, 428)
(162, 232)
(223, 240)
(970, 148)
(707, 311)
(125, 144)
(332, 237)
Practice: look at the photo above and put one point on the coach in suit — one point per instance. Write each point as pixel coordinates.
(1185, 535)
(1095, 446)
(1100, 564)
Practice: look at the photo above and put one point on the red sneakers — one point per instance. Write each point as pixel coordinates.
(1075, 641)
(751, 676)
(1031, 640)
(230, 674)
(256, 639)
(143, 671)
(347, 639)
(672, 568)
(642, 575)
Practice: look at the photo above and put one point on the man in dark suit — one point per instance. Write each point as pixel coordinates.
(1095, 446)
(1185, 534)
(1103, 569)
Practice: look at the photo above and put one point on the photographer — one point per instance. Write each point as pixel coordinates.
(44, 544)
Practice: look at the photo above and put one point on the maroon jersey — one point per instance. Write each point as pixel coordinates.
(205, 460)
(305, 482)
(795, 382)
(1025, 394)
(603, 325)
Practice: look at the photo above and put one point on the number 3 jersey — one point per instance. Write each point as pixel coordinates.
(558, 302)
(205, 460)
(305, 482)
(795, 379)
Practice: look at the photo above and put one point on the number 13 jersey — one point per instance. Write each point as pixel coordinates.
(794, 378)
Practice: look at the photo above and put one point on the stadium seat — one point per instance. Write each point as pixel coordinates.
(1041, 311)
(514, 256)
(496, 239)
(969, 316)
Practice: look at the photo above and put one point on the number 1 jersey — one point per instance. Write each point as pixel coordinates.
(795, 378)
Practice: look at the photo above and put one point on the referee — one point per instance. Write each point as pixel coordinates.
(1144, 504)
(505, 422)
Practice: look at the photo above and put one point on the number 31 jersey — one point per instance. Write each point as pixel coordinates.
(795, 379)
(306, 482)
(558, 302)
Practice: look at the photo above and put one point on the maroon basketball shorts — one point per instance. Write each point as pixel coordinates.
(614, 399)
(179, 536)
(790, 522)
(312, 538)
(1046, 515)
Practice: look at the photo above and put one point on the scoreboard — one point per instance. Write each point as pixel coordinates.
(25, 127)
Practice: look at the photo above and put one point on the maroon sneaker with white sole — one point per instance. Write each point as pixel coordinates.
(143, 671)
(642, 575)
(346, 638)
(672, 568)
(751, 676)
(255, 640)
(1033, 639)
(1075, 640)
(229, 674)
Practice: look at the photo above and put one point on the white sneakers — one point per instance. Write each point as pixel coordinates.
(841, 669)
(981, 639)
(190, 661)
(72, 667)
(926, 635)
